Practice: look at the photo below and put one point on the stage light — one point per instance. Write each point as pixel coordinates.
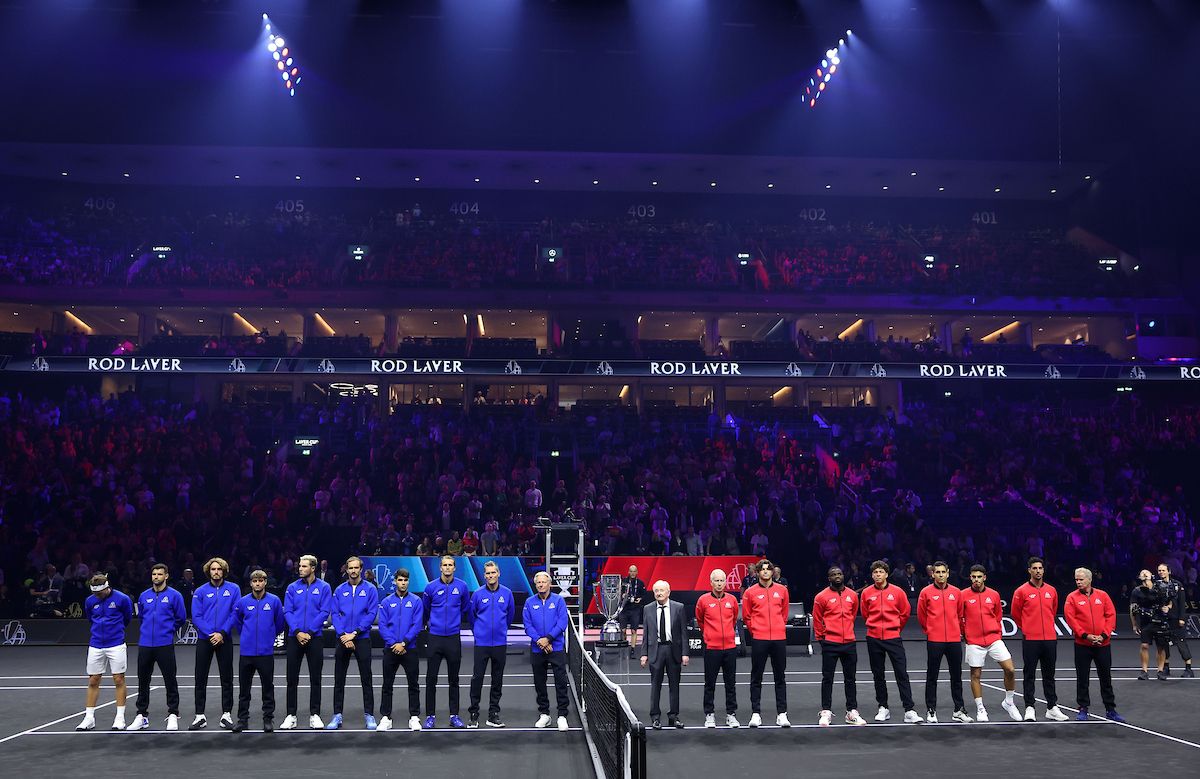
(279, 42)
(831, 53)
(849, 33)
(824, 63)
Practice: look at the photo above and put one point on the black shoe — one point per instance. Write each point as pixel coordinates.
(1143, 676)
(656, 724)
(1187, 673)
(494, 721)
(268, 726)
(675, 722)
(474, 721)
(1167, 669)
(1163, 675)
(240, 726)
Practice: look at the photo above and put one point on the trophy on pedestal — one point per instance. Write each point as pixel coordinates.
(610, 599)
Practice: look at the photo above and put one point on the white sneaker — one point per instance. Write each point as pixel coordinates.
(782, 720)
(912, 718)
(385, 723)
(962, 716)
(414, 723)
(755, 720)
(199, 722)
(119, 722)
(88, 723)
(172, 722)
(932, 717)
(543, 721)
(1055, 714)
(854, 718)
(289, 722)
(314, 722)
(710, 720)
(562, 724)
(825, 719)
(140, 722)
(981, 715)
(1030, 714)
(731, 721)
(1012, 710)
(226, 721)
(883, 715)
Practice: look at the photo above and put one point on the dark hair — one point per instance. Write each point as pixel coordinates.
(880, 564)
(158, 566)
(761, 564)
(1033, 560)
(942, 563)
(979, 568)
(402, 573)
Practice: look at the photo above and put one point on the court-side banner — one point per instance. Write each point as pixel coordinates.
(686, 575)
(401, 368)
(515, 572)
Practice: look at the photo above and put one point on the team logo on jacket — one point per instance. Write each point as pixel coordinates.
(972, 600)
(453, 592)
(267, 607)
(833, 600)
(225, 594)
(485, 600)
(362, 593)
(891, 597)
(249, 608)
(113, 605)
(987, 600)
(165, 599)
(407, 604)
(1047, 595)
(441, 592)
(498, 600)
(393, 605)
(776, 595)
(1097, 601)
(729, 605)
(1084, 602)
(949, 597)
(1033, 595)
(937, 597)
(209, 594)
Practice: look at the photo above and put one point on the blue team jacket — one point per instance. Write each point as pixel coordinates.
(259, 620)
(307, 606)
(162, 614)
(212, 608)
(355, 611)
(491, 613)
(400, 619)
(546, 619)
(446, 605)
(109, 618)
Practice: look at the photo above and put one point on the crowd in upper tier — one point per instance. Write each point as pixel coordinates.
(89, 483)
(94, 247)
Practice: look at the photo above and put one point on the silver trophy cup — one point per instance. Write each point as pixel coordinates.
(610, 599)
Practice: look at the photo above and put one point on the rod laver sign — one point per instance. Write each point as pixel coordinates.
(416, 366)
(715, 368)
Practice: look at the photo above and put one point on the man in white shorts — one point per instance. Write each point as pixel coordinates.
(110, 612)
(979, 610)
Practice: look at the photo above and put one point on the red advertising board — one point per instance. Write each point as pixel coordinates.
(684, 574)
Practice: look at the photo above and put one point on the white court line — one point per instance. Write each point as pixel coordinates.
(33, 730)
(228, 733)
(1122, 724)
(874, 725)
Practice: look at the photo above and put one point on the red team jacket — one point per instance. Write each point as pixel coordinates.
(937, 611)
(765, 612)
(833, 615)
(1090, 613)
(980, 613)
(717, 619)
(1034, 610)
(886, 611)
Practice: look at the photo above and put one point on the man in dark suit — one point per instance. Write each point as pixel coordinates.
(665, 650)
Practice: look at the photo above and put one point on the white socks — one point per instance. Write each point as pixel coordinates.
(89, 712)
(978, 703)
(120, 712)
(1008, 696)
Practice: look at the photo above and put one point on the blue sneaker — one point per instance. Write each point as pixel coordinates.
(1114, 716)
(456, 722)
(371, 724)
(1082, 716)
(429, 722)
(335, 723)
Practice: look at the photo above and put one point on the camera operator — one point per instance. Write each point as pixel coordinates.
(1148, 610)
(1176, 619)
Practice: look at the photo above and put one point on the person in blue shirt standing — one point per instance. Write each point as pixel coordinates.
(109, 612)
(163, 612)
(400, 618)
(258, 617)
(492, 610)
(446, 603)
(212, 614)
(355, 603)
(545, 617)
(306, 606)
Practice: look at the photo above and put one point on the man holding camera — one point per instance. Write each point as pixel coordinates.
(1176, 620)
(1148, 611)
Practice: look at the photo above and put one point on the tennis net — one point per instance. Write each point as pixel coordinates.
(616, 737)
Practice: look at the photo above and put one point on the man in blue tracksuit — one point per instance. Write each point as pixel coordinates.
(355, 603)
(212, 614)
(400, 619)
(491, 611)
(306, 606)
(446, 603)
(546, 620)
(258, 617)
(110, 612)
(163, 612)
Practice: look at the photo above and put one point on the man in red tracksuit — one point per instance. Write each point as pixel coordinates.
(886, 611)
(765, 613)
(937, 611)
(1034, 608)
(980, 611)
(1092, 618)
(834, 610)
(716, 614)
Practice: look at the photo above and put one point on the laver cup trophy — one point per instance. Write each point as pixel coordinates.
(610, 599)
